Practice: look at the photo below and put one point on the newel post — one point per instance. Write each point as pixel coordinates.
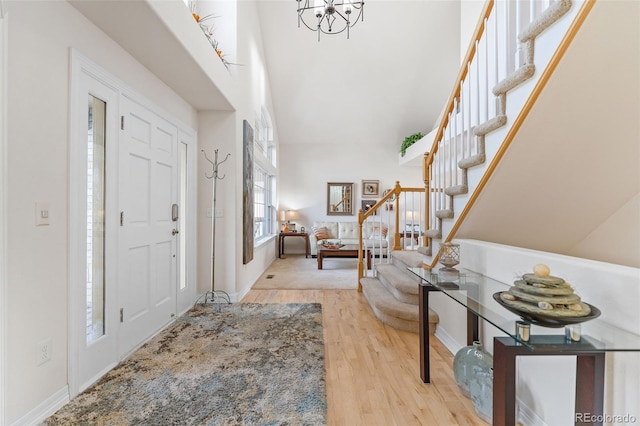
(427, 197)
(360, 247)
(396, 237)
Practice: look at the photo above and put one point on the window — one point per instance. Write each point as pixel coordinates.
(263, 136)
(264, 179)
(95, 248)
(263, 203)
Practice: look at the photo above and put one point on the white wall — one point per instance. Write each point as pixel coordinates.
(223, 131)
(616, 240)
(546, 384)
(469, 15)
(3, 205)
(255, 94)
(217, 130)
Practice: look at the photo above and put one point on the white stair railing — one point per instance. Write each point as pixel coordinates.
(395, 222)
(499, 58)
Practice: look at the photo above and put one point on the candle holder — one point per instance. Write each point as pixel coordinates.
(523, 330)
(449, 256)
(573, 332)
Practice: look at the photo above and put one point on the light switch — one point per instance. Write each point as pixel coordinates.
(219, 212)
(42, 214)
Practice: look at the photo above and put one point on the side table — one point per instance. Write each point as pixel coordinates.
(293, 234)
(475, 293)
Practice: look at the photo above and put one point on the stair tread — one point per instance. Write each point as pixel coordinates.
(474, 160)
(434, 233)
(412, 259)
(378, 295)
(516, 78)
(490, 125)
(456, 190)
(398, 279)
(444, 214)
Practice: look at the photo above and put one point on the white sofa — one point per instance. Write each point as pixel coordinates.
(347, 233)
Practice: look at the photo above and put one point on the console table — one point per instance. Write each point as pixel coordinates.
(304, 235)
(474, 291)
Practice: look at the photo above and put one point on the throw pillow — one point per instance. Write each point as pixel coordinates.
(379, 232)
(321, 233)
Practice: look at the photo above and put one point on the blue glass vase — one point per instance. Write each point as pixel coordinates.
(481, 389)
(469, 361)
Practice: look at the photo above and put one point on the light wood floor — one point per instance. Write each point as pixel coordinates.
(373, 370)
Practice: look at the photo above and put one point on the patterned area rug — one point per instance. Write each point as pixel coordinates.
(239, 364)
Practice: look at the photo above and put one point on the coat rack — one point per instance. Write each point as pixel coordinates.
(213, 295)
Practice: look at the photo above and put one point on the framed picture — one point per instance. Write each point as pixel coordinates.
(370, 188)
(367, 204)
(247, 193)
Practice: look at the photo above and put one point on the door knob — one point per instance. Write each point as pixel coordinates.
(174, 232)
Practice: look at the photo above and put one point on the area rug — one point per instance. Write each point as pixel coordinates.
(237, 364)
(295, 272)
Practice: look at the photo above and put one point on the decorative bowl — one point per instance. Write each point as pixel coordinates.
(332, 246)
(545, 320)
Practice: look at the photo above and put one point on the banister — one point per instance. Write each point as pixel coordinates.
(564, 44)
(471, 50)
(394, 196)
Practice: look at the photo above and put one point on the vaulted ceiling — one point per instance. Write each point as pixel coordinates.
(390, 79)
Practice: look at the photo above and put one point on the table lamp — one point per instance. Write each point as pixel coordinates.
(290, 215)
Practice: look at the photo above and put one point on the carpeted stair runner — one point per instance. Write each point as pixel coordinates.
(393, 294)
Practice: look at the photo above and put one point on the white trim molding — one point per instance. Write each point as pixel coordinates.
(3, 206)
(45, 409)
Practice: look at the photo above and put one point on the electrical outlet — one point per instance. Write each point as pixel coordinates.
(44, 351)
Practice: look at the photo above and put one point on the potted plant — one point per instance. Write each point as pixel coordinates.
(410, 140)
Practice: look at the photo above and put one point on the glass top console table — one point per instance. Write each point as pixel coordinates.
(476, 293)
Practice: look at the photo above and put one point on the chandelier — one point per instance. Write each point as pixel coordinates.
(333, 16)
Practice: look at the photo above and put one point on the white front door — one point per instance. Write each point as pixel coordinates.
(147, 255)
(125, 165)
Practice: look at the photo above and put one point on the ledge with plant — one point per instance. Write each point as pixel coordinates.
(410, 140)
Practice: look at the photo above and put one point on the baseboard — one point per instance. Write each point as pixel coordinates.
(448, 341)
(97, 377)
(44, 409)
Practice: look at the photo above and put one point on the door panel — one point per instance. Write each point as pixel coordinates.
(148, 248)
(139, 264)
(93, 212)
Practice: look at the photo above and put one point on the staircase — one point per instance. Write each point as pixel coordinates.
(393, 293)
(483, 118)
(474, 133)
